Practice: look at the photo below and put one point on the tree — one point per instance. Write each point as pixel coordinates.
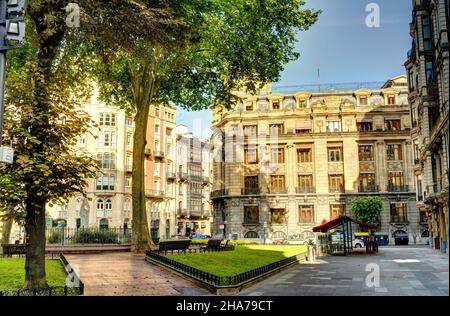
(46, 80)
(225, 45)
(367, 209)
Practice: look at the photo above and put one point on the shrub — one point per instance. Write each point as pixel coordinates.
(102, 236)
(367, 209)
(54, 237)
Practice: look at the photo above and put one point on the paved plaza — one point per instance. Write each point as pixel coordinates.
(404, 271)
(123, 273)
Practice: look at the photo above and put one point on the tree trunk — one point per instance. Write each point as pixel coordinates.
(35, 239)
(141, 234)
(7, 227)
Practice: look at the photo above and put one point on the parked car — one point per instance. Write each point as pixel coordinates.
(200, 237)
(178, 237)
(296, 239)
(337, 238)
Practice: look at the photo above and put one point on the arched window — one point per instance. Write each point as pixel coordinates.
(251, 234)
(425, 234)
(108, 208)
(104, 223)
(100, 205)
(279, 234)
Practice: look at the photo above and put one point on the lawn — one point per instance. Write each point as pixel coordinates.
(12, 273)
(242, 259)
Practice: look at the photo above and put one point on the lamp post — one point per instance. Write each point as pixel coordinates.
(12, 35)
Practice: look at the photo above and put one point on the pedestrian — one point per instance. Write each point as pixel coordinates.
(414, 234)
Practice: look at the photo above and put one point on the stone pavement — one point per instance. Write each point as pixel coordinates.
(124, 273)
(404, 271)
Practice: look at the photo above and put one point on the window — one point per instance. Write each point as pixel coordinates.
(277, 184)
(336, 210)
(277, 155)
(156, 112)
(106, 183)
(305, 184)
(251, 185)
(398, 213)
(394, 152)
(391, 99)
(250, 155)
(336, 183)
(306, 214)
(365, 126)
(278, 216)
(363, 100)
(302, 104)
(106, 139)
(129, 163)
(128, 122)
(333, 126)
(276, 129)
(103, 223)
(251, 131)
(249, 106)
(367, 182)
(304, 155)
(427, 34)
(107, 160)
(251, 214)
(276, 105)
(107, 119)
(251, 234)
(395, 180)
(392, 125)
(129, 140)
(104, 208)
(365, 153)
(334, 154)
(429, 71)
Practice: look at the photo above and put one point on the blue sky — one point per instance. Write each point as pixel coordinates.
(344, 47)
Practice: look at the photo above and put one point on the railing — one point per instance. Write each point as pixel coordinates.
(278, 191)
(154, 193)
(170, 175)
(219, 193)
(398, 188)
(216, 280)
(305, 190)
(368, 188)
(159, 154)
(70, 236)
(205, 179)
(398, 219)
(248, 221)
(182, 175)
(182, 212)
(48, 291)
(250, 191)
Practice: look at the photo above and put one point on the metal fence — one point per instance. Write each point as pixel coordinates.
(48, 291)
(72, 236)
(216, 280)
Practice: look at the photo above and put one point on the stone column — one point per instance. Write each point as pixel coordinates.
(290, 167)
(380, 166)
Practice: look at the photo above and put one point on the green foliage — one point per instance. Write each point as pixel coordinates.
(54, 237)
(101, 236)
(367, 209)
(12, 273)
(242, 259)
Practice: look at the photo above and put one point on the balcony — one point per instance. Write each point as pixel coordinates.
(195, 213)
(305, 190)
(277, 191)
(183, 176)
(205, 180)
(368, 188)
(154, 193)
(170, 175)
(148, 152)
(182, 212)
(158, 154)
(397, 188)
(248, 221)
(251, 191)
(219, 193)
(398, 219)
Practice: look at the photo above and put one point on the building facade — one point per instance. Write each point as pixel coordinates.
(108, 197)
(427, 66)
(193, 186)
(285, 162)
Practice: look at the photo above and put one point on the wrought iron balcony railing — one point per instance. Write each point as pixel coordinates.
(251, 191)
(398, 188)
(158, 154)
(248, 221)
(219, 193)
(303, 190)
(368, 188)
(154, 193)
(278, 191)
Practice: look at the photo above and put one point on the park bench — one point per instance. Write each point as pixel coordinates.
(172, 245)
(213, 244)
(14, 249)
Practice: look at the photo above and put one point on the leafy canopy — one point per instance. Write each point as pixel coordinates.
(367, 209)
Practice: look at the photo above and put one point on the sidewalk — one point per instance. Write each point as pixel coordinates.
(124, 273)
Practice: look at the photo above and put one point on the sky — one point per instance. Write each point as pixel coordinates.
(343, 46)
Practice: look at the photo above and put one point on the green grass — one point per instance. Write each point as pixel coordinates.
(12, 273)
(242, 259)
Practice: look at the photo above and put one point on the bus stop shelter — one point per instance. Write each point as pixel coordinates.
(337, 235)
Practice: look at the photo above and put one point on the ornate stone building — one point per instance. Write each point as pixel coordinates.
(428, 79)
(285, 162)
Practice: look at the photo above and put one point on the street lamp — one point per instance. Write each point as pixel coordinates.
(12, 35)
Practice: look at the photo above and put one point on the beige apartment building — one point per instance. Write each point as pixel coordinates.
(427, 66)
(108, 201)
(285, 162)
(193, 186)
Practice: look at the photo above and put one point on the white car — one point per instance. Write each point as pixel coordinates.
(358, 243)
